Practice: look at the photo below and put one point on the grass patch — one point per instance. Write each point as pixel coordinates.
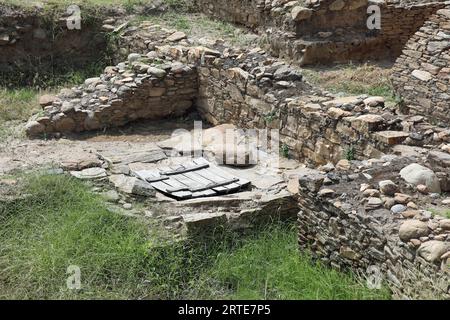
(61, 223)
(268, 266)
(444, 213)
(354, 79)
(199, 25)
(17, 104)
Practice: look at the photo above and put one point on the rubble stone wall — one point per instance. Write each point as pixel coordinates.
(422, 73)
(248, 88)
(344, 229)
(132, 90)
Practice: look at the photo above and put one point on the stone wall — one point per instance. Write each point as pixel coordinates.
(421, 74)
(350, 220)
(252, 90)
(248, 88)
(140, 88)
(326, 31)
(250, 13)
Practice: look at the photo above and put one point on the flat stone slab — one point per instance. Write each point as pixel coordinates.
(341, 101)
(367, 122)
(439, 158)
(89, 174)
(202, 220)
(81, 162)
(147, 154)
(132, 185)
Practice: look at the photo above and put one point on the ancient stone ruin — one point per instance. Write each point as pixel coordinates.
(422, 71)
(375, 210)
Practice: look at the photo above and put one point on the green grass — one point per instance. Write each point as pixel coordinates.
(442, 213)
(61, 223)
(354, 79)
(199, 25)
(17, 104)
(270, 267)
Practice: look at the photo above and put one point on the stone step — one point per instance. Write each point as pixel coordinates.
(391, 137)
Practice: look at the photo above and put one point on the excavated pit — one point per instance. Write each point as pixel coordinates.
(347, 226)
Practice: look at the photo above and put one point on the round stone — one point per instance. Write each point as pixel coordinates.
(132, 57)
(34, 128)
(398, 208)
(388, 187)
(413, 229)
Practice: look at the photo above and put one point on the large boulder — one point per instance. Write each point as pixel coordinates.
(417, 175)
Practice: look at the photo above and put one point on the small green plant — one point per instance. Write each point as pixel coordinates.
(440, 213)
(350, 153)
(271, 116)
(284, 150)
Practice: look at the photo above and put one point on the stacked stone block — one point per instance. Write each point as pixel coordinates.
(421, 73)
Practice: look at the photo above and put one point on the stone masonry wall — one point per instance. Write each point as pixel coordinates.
(422, 73)
(248, 88)
(250, 13)
(140, 88)
(327, 31)
(252, 91)
(347, 221)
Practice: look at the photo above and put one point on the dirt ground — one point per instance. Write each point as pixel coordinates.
(26, 154)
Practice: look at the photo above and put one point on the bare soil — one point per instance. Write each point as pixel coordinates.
(28, 154)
